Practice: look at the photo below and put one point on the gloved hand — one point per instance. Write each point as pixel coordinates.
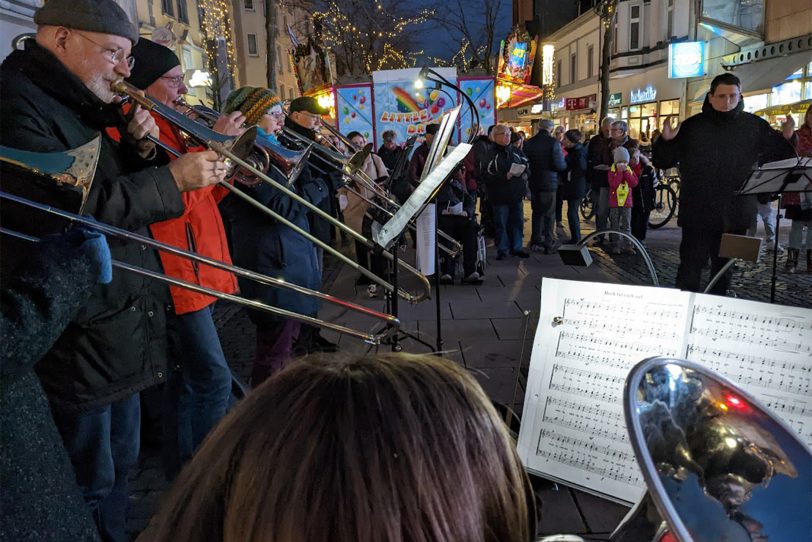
(79, 242)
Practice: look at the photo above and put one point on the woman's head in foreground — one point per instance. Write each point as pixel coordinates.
(380, 448)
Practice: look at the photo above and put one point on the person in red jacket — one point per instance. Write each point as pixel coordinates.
(621, 181)
(199, 387)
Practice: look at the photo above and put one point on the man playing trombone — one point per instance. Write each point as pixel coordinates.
(56, 95)
(304, 118)
(199, 385)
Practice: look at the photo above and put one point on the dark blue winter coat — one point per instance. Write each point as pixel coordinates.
(546, 160)
(262, 244)
(575, 185)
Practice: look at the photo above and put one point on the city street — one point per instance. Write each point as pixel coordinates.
(489, 329)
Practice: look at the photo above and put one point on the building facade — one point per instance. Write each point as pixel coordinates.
(766, 43)
(178, 25)
(251, 34)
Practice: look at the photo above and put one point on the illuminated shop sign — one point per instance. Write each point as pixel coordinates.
(615, 99)
(640, 95)
(584, 102)
(686, 59)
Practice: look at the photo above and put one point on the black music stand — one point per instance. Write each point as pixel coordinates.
(774, 179)
(386, 236)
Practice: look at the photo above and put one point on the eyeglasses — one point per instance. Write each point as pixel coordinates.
(275, 114)
(174, 80)
(115, 56)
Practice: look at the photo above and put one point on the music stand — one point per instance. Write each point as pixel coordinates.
(774, 179)
(434, 174)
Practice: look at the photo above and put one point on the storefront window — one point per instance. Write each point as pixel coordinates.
(756, 102)
(786, 93)
(669, 107)
(642, 120)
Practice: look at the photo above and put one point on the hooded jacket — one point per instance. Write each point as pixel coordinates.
(716, 152)
(115, 345)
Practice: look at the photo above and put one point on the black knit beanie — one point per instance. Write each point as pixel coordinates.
(152, 60)
(103, 16)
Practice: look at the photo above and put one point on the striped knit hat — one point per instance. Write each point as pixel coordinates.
(252, 102)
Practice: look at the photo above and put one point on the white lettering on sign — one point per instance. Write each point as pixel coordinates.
(648, 94)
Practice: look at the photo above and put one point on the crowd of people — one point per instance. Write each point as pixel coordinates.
(393, 447)
(90, 353)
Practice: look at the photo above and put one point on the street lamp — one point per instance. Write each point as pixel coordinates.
(427, 74)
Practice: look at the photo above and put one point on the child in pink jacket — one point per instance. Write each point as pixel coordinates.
(621, 181)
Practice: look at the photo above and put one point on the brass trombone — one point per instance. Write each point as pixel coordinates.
(352, 167)
(236, 151)
(371, 338)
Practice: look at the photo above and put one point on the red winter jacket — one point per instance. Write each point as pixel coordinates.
(200, 230)
(615, 179)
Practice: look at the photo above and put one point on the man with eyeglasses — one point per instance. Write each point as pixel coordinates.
(56, 96)
(506, 186)
(716, 151)
(198, 388)
(304, 118)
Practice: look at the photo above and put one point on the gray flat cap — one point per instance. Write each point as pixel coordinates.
(103, 16)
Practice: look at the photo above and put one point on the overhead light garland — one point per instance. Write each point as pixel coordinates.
(216, 16)
(368, 36)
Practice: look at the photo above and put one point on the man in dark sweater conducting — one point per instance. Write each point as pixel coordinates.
(716, 151)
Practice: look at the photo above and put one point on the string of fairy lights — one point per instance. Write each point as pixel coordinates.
(215, 23)
(374, 44)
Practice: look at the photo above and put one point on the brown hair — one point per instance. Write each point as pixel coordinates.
(393, 447)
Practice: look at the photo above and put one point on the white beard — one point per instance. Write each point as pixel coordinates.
(100, 86)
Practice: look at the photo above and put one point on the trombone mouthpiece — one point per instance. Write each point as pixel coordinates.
(119, 87)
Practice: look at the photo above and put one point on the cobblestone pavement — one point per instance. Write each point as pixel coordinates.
(489, 329)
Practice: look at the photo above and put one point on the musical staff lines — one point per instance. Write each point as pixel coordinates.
(595, 420)
(602, 461)
(757, 371)
(779, 333)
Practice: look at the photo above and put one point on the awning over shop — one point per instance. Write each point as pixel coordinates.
(785, 108)
(763, 76)
(519, 95)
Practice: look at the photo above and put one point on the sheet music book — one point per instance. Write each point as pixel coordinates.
(589, 337)
(770, 178)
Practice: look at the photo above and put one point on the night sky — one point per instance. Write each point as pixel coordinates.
(427, 36)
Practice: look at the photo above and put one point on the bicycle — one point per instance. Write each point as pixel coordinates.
(665, 205)
(587, 208)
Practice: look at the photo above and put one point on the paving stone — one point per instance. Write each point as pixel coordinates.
(498, 382)
(601, 515)
(515, 329)
(559, 513)
(472, 309)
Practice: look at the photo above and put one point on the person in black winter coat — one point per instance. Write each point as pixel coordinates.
(643, 195)
(55, 95)
(599, 159)
(546, 160)
(506, 192)
(452, 199)
(715, 151)
(573, 188)
(40, 499)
